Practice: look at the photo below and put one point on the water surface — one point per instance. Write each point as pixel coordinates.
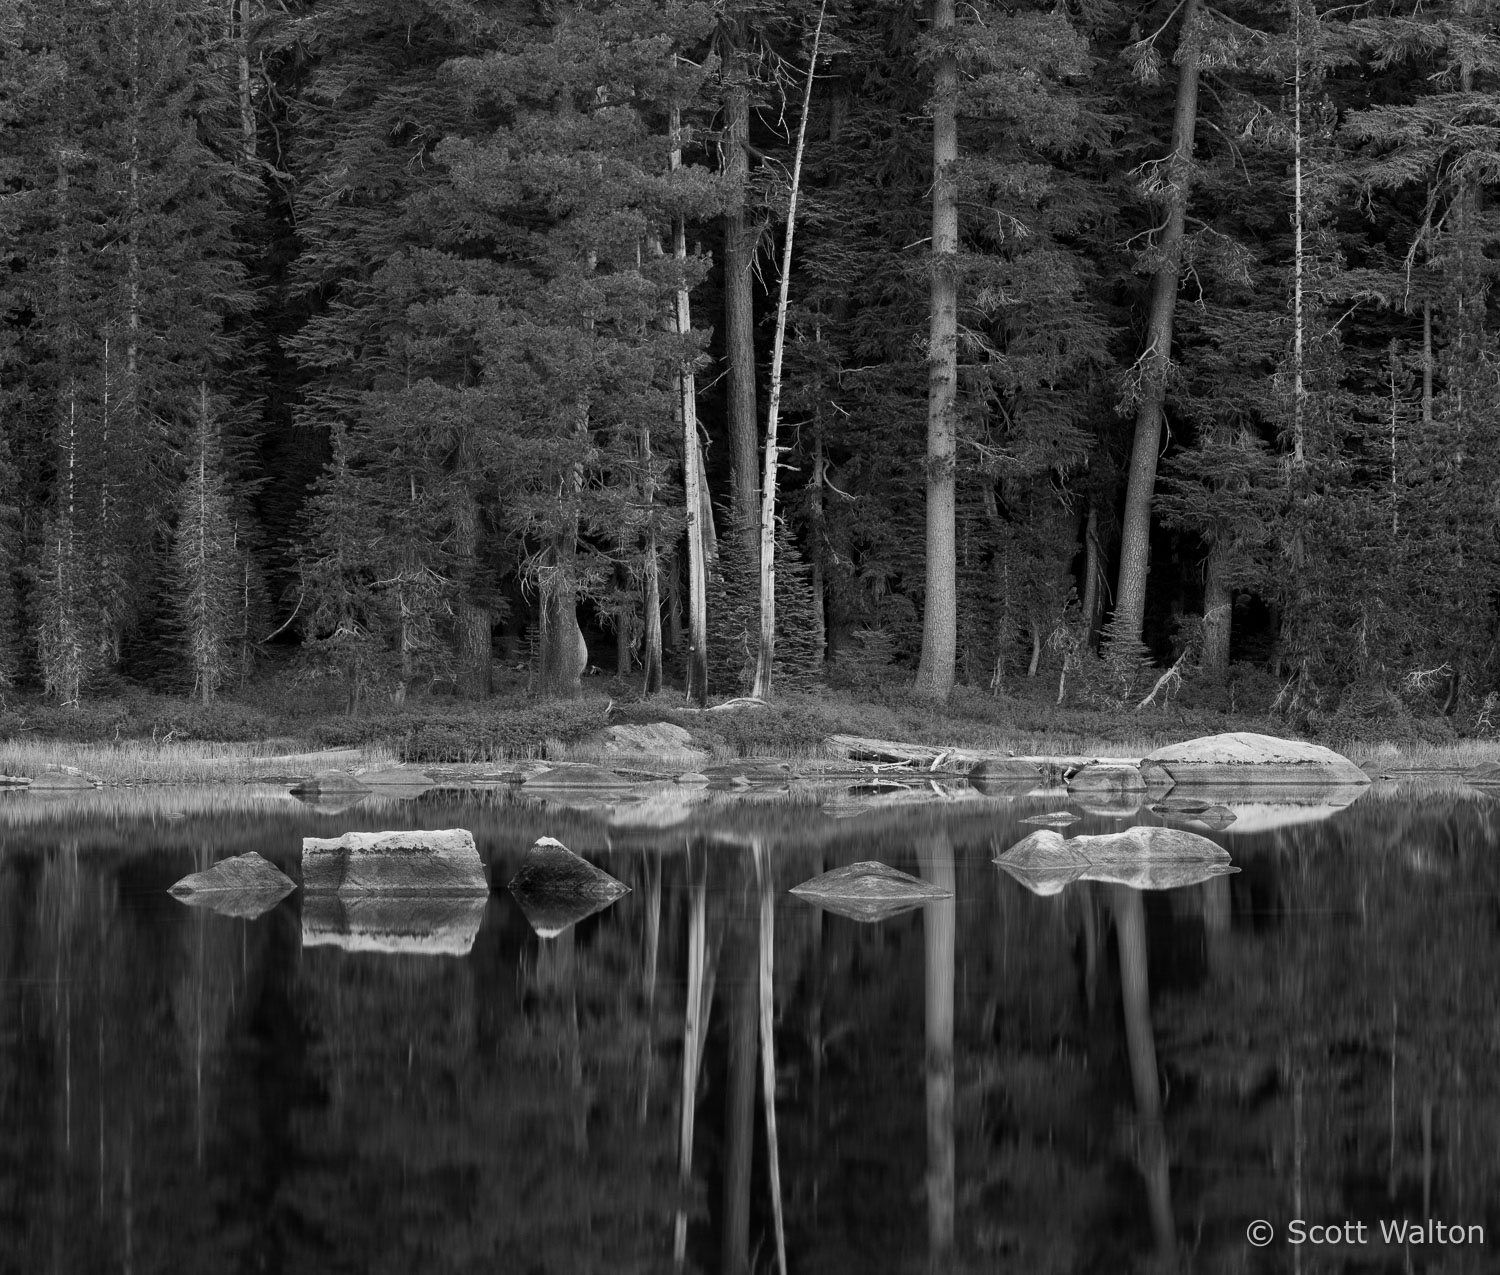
(1092, 1079)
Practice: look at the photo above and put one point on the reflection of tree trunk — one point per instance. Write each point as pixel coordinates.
(653, 948)
(767, 994)
(739, 1118)
(939, 925)
(1135, 993)
(1217, 914)
(695, 1027)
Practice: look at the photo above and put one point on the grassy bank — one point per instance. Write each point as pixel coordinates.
(141, 737)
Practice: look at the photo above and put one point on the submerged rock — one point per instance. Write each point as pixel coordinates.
(329, 783)
(245, 886)
(1144, 858)
(419, 862)
(869, 891)
(404, 926)
(551, 868)
(575, 776)
(1243, 757)
(1053, 819)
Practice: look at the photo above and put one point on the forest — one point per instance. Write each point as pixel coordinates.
(749, 343)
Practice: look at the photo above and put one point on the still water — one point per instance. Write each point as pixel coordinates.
(1094, 1078)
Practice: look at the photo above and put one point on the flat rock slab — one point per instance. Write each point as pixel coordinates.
(1106, 777)
(551, 868)
(1243, 757)
(330, 783)
(575, 776)
(243, 873)
(61, 781)
(398, 926)
(401, 863)
(658, 742)
(396, 780)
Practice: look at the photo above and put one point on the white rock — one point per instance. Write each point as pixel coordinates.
(418, 862)
(1242, 757)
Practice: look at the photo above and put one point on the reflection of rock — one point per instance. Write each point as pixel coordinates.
(330, 804)
(1106, 805)
(1006, 769)
(1053, 819)
(1144, 858)
(375, 923)
(1279, 808)
(551, 868)
(575, 776)
(1243, 757)
(434, 862)
(330, 783)
(1106, 778)
(549, 913)
(869, 891)
(1200, 814)
(245, 886)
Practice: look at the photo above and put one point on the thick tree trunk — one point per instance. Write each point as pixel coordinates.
(651, 585)
(695, 488)
(940, 610)
(1217, 616)
(739, 307)
(472, 623)
(1155, 363)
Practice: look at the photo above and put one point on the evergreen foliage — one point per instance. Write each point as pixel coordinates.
(422, 255)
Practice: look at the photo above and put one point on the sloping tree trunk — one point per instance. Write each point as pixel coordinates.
(940, 608)
(1155, 362)
(739, 308)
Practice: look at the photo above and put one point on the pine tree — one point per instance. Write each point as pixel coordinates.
(210, 563)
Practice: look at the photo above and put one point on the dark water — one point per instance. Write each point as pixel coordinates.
(1098, 1079)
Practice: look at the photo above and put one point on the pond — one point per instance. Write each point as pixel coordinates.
(1289, 1068)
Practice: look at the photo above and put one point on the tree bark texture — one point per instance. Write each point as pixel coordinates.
(940, 608)
(1217, 615)
(472, 623)
(695, 487)
(1156, 361)
(739, 307)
